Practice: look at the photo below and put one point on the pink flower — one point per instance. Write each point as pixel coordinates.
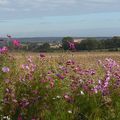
(25, 66)
(35, 92)
(60, 76)
(51, 84)
(8, 90)
(33, 119)
(3, 50)
(19, 117)
(70, 62)
(5, 69)
(71, 45)
(29, 59)
(42, 55)
(7, 81)
(68, 98)
(24, 103)
(16, 43)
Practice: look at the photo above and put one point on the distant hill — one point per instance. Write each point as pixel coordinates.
(52, 39)
(38, 39)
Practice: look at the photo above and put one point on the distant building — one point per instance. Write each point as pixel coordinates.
(55, 46)
(77, 40)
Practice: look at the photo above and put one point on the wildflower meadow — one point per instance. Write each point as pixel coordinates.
(64, 86)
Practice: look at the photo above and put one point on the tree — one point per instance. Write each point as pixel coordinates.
(115, 41)
(46, 46)
(65, 42)
(88, 44)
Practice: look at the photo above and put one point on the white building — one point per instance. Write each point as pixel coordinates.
(77, 40)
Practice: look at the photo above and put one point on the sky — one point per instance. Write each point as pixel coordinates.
(58, 18)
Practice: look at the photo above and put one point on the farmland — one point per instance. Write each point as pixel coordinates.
(60, 86)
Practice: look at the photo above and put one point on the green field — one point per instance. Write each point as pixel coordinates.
(60, 86)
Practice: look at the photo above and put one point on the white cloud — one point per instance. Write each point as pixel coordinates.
(40, 4)
(9, 9)
(3, 2)
(57, 7)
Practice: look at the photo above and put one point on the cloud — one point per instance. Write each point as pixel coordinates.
(3, 2)
(37, 8)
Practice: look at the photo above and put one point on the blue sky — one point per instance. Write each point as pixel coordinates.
(27, 18)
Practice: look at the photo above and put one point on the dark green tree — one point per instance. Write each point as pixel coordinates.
(65, 42)
(46, 46)
(89, 44)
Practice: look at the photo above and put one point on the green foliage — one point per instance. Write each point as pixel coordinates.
(65, 42)
(93, 44)
(36, 47)
(88, 44)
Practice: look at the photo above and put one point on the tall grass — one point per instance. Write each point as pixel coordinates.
(68, 86)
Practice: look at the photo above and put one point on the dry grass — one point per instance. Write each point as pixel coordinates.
(86, 59)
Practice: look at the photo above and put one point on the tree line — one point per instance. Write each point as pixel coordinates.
(89, 44)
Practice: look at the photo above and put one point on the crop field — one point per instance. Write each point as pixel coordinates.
(59, 86)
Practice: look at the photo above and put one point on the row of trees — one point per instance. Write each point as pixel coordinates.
(93, 44)
(68, 43)
(35, 47)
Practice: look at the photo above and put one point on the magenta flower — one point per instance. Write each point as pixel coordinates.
(51, 84)
(35, 92)
(3, 50)
(71, 45)
(70, 62)
(7, 81)
(5, 69)
(8, 90)
(19, 117)
(68, 98)
(25, 66)
(16, 43)
(29, 59)
(60, 76)
(33, 119)
(42, 55)
(24, 103)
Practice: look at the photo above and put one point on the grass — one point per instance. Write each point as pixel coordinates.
(59, 86)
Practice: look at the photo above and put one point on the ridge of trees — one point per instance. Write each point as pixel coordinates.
(89, 44)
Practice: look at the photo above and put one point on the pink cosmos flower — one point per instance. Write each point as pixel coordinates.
(5, 69)
(16, 43)
(42, 55)
(35, 92)
(51, 84)
(29, 59)
(33, 119)
(25, 66)
(68, 98)
(3, 50)
(71, 45)
(7, 81)
(24, 103)
(60, 76)
(19, 117)
(70, 62)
